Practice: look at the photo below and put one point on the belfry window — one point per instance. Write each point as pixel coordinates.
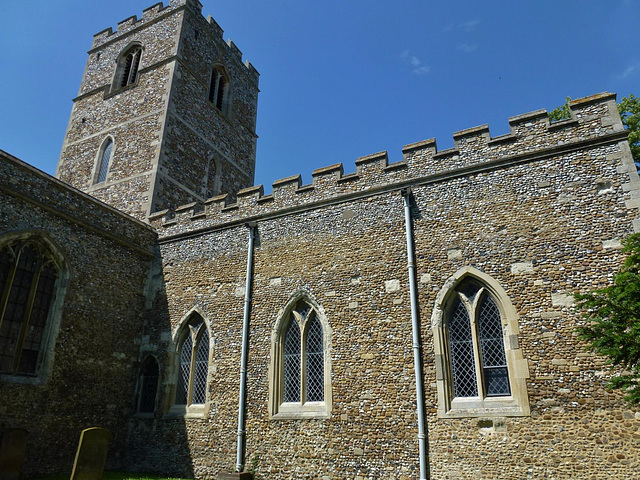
(128, 65)
(104, 160)
(28, 275)
(193, 364)
(300, 364)
(219, 89)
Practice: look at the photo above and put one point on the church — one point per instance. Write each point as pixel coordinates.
(410, 320)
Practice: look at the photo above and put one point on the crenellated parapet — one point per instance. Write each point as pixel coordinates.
(594, 121)
(158, 11)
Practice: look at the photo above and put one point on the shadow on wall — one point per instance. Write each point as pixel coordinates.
(157, 439)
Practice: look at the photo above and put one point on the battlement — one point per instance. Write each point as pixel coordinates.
(594, 120)
(159, 10)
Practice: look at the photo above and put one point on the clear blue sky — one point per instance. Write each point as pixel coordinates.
(342, 79)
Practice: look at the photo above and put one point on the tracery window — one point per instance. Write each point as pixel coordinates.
(193, 368)
(480, 369)
(300, 364)
(104, 160)
(128, 65)
(148, 385)
(28, 275)
(478, 361)
(219, 89)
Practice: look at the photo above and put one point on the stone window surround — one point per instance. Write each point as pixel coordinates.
(140, 386)
(227, 95)
(278, 410)
(117, 73)
(517, 404)
(45, 360)
(97, 164)
(193, 410)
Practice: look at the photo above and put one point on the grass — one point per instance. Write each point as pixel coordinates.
(110, 476)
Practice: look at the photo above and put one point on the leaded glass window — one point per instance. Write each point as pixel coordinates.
(193, 365)
(315, 361)
(303, 365)
(476, 344)
(28, 277)
(291, 390)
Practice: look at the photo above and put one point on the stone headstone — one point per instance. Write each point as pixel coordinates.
(235, 476)
(91, 455)
(12, 449)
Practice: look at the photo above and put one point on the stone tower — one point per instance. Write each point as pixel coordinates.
(165, 115)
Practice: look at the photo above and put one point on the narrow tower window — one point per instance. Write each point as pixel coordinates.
(105, 159)
(219, 89)
(129, 64)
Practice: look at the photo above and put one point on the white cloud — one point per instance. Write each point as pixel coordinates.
(468, 48)
(470, 25)
(418, 67)
(422, 70)
(630, 70)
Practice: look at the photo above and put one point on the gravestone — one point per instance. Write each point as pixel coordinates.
(235, 476)
(12, 449)
(91, 454)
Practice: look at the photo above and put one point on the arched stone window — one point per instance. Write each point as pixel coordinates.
(192, 366)
(128, 64)
(104, 160)
(300, 369)
(148, 385)
(479, 366)
(219, 89)
(30, 288)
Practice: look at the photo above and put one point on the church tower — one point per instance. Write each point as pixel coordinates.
(165, 115)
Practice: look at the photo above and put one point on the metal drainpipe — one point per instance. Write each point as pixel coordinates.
(417, 348)
(245, 352)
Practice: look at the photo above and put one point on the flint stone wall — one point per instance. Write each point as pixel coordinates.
(92, 370)
(541, 211)
(171, 145)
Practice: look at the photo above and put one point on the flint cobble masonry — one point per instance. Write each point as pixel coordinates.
(540, 212)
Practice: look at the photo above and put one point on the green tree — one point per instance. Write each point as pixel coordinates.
(612, 327)
(562, 112)
(629, 108)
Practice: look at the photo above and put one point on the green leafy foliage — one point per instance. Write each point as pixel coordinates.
(612, 327)
(629, 108)
(562, 112)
